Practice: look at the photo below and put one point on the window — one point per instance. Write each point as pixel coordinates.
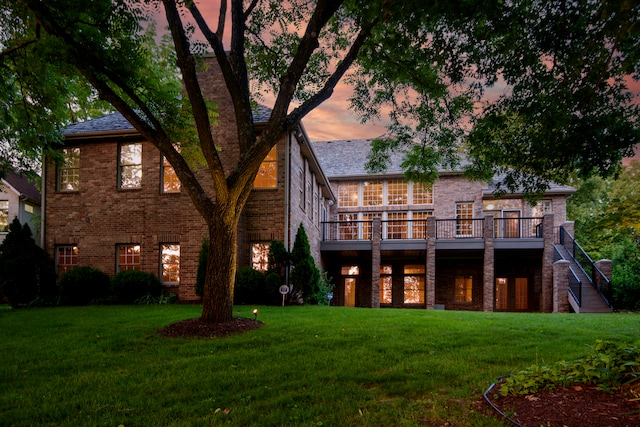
(397, 192)
(69, 170)
(30, 209)
(170, 262)
(4, 216)
(317, 207)
(464, 223)
(301, 187)
(414, 284)
(66, 258)
(422, 193)
(267, 176)
(170, 181)
(367, 224)
(309, 194)
(538, 211)
(350, 270)
(372, 193)
(464, 289)
(260, 256)
(128, 257)
(386, 284)
(397, 225)
(348, 227)
(130, 166)
(419, 224)
(348, 194)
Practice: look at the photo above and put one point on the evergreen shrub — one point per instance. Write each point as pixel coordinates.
(84, 285)
(130, 286)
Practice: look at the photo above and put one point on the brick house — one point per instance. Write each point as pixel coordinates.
(116, 204)
(19, 198)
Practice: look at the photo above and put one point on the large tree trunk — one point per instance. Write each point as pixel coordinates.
(217, 301)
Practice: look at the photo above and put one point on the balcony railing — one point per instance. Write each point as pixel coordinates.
(446, 229)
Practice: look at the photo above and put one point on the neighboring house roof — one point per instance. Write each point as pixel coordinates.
(116, 122)
(23, 186)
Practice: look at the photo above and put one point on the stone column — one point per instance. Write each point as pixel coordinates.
(606, 267)
(488, 288)
(547, 297)
(561, 286)
(430, 297)
(376, 230)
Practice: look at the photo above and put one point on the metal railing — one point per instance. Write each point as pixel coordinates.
(575, 286)
(596, 277)
(517, 228)
(449, 229)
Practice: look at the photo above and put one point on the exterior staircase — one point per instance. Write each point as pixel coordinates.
(584, 297)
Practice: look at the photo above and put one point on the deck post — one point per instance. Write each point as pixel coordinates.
(561, 286)
(376, 231)
(430, 297)
(547, 297)
(488, 292)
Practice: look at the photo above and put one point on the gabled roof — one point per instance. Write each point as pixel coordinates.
(116, 122)
(23, 186)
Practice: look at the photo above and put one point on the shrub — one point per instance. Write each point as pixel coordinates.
(250, 286)
(26, 273)
(84, 285)
(131, 285)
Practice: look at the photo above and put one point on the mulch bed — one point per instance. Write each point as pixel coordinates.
(197, 328)
(577, 406)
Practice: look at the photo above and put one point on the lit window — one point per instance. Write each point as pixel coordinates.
(69, 170)
(348, 226)
(386, 284)
(422, 193)
(367, 224)
(170, 181)
(538, 211)
(397, 192)
(414, 284)
(128, 257)
(464, 223)
(372, 193)
(30, 209)
(66, 258)
(464, 289)
(350, 270)
(348, 194)
(170, 260)
(419, 224)
(260, 256)
(501, 293)
(267, 176)
(397, 225)
(130, 166)
(4, 216)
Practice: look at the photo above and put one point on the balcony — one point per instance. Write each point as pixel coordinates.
(507, 233)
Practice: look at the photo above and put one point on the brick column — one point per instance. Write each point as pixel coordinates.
(547, 298)
(430, 297)
(561, 286)
(488, 288)
(376, 230)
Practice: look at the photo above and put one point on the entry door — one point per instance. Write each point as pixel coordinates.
(511, 224)
(512, 294)
(350, 291)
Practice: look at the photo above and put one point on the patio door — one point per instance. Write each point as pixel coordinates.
(349, 291)
(512, 294)
(511, 224)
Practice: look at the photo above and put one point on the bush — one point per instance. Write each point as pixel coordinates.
(250, 287)
(26, 273)
(131, 285)
(84, 285)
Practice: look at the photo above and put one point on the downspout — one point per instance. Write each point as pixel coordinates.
(287, 198)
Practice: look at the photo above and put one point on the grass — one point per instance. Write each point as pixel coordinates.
(307, 366)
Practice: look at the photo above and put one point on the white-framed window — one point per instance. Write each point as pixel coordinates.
(170, 181)
(422, 193)
(372, 193)
(130, 166)
(348, 194)
(68, 176)
(4, 216)
(260, 256)
(170, 263)
(464, 219)
(537, 212)
(129, 258)
(397, 192)
(66, 258)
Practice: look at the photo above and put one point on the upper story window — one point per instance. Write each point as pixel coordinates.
(130, 166)
(68, 178)
(464, 222)
(541, 208)
(170, 181)
(397, 192)
(372, 193)
(422, 193)
(4, 216)
(348, 194)
(267, 176)
(301, 187)
(310, 197)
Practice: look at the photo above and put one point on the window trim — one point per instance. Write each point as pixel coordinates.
(69, 153)
(123, 245)
(131, 165)
(162, 264)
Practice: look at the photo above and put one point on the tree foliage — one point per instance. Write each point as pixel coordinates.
(563, 68)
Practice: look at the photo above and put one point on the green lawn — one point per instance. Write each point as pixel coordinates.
(307, 366)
